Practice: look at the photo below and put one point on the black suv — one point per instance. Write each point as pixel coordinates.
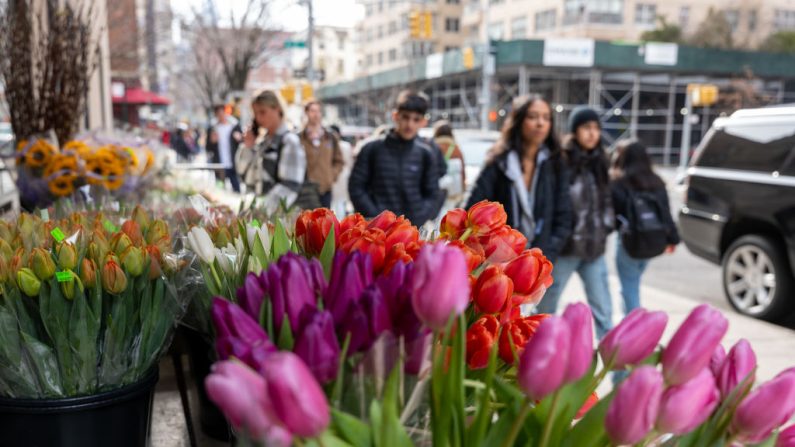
(740, 208)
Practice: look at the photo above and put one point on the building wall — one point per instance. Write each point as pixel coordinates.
(124, 40)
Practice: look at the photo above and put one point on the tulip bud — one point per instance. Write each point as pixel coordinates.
(401, 232)
(383, 221)
(739, 365)
(6, 232)
(479, 340)
(5, 249)
(114, 280)
(542, 366)
(350, 221)
(765, 408)
(633, 411)
(42, 264)
(515, 335)
(578, 317)
(397, 253)
(485, 217)
(155, 259)
(133, 231)
(28, 282)
(441, 286)
(684, 407)
(716, 361)
(88, 273)
(222, 237)
(787, 437)
(18, 261)
(67, 256)
(110, 256)
(370, 241)
(158, 231)
(252, 233)
(68, 287)
(317, 345)
(119, 242)
(633, 339)
(201, 244)
(503, 244)
(313, 227)
(691, 347)
(134, 260)
(493, 289)
(141, 218)
(531, 273)
(453, 224)
(97, 249)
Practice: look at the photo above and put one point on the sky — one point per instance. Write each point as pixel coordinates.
(291, 16)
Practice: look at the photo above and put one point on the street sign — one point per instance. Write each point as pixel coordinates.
(294, 44)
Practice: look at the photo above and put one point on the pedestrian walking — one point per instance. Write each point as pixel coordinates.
(273, 167)
(324, 160)
(224, 137)
(400, 171)
(592, 220)
(643, 217)
(339, 192)
(528, 176)
(455, 180)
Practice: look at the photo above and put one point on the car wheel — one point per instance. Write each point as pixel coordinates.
(757, 279)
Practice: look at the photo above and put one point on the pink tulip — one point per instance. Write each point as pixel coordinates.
(693, 344)
(686, 406)
(633, 339)
(295, 397)
(240, 394)
(634, 408)
(787, 437)
(716, 361)
(739, 364)
(441, 284)
(580, 322)
(765, 408)
(543, 364)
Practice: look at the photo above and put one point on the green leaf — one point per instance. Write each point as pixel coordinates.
(259, 252)
(83, 333)
(353, 430)
(327, 253)
(393, 432)
(281, 242)
(376, 421)
(590, 430)
(484, 410)
(285, 341)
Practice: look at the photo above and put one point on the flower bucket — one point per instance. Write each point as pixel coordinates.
(201, 355)
(120, 418)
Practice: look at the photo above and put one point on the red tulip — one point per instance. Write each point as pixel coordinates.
(401, 231)
(383, 220)
(531, 273)
(504, 244)
(592, 400)
(486, 217)
(352, 221)
(480, 339)
(313, 227)
(473, 258)
(397, 253)
(492, 290)
(515, 335)
(453, 224)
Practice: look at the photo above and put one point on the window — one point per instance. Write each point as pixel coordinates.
(340, 68)
(392, 27)
(380, 57)
(393, 55)
(369, 34)
(369, 60)
(645, 14)
(733, 17)
(519, 28)
(593, 11)
(684, 16)
(380, 32)
(784, 19)
(452, 25)
(495, 31)
(752, 18)
(545, 20)
(453, 2)
(404, 21)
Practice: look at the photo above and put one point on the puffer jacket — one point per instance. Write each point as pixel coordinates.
(401, 176)
(592, 208)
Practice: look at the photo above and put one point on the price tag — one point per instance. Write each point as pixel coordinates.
(255, 223)
(57, 234)
(64, 276)
(109, 226)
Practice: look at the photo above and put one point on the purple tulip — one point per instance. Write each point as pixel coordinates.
(634, 408)
(317, 345)
(787, 437)
(396, 288)
(377, 311)
(693, 344)
(765, 408)
(543, 364)
(441, 285)
(350, 275)
(292, 286)
(578, 317)
(739, 364)
(684, 407)
(240, 393)
(251, 295)
(365, 320)
(716, 361)
(633, 339)
(296, 399)
(231, 321)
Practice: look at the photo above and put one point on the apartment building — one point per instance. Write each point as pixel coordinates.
(334, 52)
(752, 20)
(385, 38)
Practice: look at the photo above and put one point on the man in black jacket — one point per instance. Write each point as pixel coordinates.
(223, 138)
(400, 171)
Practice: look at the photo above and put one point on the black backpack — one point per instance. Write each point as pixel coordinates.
(644, 234)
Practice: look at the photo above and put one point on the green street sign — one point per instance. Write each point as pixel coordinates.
(294, 44)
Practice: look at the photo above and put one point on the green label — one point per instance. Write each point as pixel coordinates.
(57, 234)
(255, 223)
(109, 226)
(64, 276)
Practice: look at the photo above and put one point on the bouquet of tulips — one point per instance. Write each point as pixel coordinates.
(86, 305)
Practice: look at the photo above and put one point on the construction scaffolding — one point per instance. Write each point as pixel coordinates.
(636, 99)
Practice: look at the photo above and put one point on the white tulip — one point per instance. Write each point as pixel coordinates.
(201, 244)
(264, 236)
(226, 257)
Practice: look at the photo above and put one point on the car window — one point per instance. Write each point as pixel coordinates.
(752, 146)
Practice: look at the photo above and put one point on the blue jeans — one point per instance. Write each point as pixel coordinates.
(629, 272)
(597, 290)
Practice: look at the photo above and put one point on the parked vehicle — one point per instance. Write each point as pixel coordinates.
(739, 209)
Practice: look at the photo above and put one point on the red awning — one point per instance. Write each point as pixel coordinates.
(140, 96)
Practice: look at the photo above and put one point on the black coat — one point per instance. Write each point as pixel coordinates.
(620, 193)
(212, 148)
(552, 207)
(397, 175)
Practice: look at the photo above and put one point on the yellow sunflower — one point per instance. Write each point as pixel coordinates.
(21, 145)
(114, 178)
(63, 185)
(40, 154)
(60, 162)
(95, 171)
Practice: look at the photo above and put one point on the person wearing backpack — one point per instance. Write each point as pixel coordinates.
(643, 217)
(593, 220)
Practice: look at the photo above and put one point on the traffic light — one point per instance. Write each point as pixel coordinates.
(306, 92)
(468, 57)
(427, 27)
(414, 24)
(288, 93)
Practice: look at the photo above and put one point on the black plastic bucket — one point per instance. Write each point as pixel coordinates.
(201, 355)
(119, 418)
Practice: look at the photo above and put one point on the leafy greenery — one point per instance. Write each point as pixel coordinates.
(665, 32)
(779, 42)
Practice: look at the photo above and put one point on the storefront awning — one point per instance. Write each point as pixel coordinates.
(140, 97)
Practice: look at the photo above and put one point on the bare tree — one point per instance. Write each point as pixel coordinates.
(48, 55)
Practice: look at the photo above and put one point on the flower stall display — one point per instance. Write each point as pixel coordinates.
(362, 334)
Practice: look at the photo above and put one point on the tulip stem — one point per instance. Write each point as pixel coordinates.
(465, 236)
(549, 422)
(517, 424)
